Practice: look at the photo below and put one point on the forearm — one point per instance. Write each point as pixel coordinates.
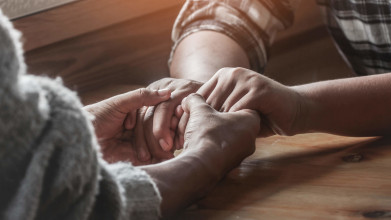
(356, 106)
(184, 179)
(203, 53)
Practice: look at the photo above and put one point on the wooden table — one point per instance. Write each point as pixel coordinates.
(311, 176)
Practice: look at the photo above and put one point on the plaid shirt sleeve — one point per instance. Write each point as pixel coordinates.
(362, 31)
(253, 24)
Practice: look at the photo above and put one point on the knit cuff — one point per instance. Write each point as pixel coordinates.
(141, 195)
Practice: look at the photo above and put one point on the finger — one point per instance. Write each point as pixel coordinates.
(176, 141)
(179, 111)
(130, 120)
(195, 103)
(138, 98)
(243, 103)
(181, 130)
(154, 147)
(178, 114)
(223, 90)
(174, 123)
(236, 95)
(162, 121)
(141, 144)
(206, 89)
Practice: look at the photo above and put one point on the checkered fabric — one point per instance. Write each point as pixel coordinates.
(361, 28)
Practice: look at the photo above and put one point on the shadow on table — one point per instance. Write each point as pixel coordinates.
(257, 179)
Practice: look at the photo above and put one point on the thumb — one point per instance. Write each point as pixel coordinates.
(136, 99)
(195, 102)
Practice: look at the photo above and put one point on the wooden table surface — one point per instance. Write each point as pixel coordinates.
(311, 176)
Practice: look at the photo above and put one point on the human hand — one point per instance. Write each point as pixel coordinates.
(233, 89)
(159, 122)
(115, 120)
(221, 140)
(215, 143)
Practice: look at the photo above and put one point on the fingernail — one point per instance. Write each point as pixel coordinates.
(163, 92)
(164, 145)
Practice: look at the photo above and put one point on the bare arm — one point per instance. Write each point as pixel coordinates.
(356, 106)
(200, 55)
(210, 151)
(182, 180)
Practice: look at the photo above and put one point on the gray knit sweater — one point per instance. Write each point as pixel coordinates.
(50, 165)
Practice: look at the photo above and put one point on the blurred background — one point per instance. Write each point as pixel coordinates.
(105, 47)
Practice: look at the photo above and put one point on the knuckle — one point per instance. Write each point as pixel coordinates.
(192, 97)
(193, 85)
(195, 95)
(237, 71)
(142, 92)
(224, 69)
(161, 83)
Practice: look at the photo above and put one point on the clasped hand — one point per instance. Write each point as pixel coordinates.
(115, 123)
(162, 125)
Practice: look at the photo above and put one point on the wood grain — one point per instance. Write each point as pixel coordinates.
(83, 17)
(312, 176)
(307, 176)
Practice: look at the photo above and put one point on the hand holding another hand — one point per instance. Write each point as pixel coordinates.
(233, 89)
(215, 143)
(159, 123)
(115, 121)
(220, 140)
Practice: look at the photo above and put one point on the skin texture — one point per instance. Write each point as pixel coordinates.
(358, 106)
(210, 149)
(196, 59)
(233, 89)
(159, 122)
(115, 123)
(200, 55)
(355, 106)
(210, 152)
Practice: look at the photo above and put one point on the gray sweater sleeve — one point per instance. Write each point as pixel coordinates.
(50, 165)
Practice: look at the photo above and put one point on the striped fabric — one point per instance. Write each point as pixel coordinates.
(361, 28)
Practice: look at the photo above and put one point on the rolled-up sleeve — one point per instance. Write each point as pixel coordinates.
(253, 24)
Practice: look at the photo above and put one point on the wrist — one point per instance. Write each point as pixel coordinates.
(183, 179)
(207, 154)
(302, 117)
